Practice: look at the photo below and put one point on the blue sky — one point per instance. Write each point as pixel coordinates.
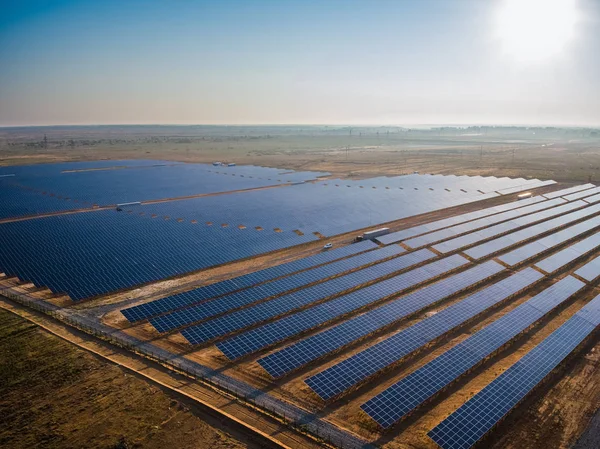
(306, 62)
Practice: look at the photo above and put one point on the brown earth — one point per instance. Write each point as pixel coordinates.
(54, 395)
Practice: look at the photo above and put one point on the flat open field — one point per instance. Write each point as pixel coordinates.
(55, 395)
(554, 415)
(547, 153)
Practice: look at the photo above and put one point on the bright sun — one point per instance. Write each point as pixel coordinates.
(535, 30)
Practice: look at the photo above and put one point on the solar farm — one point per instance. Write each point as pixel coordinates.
(475, 299)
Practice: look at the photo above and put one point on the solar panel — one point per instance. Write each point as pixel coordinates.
(474, 225)
(401, 399)
(502, 228)
(521, 188)
(287, 303)
(568, 191)
(568, 255)
(467, 425)
(292, 357)
(537, 247)
(276, 331)
(152, 308)
(592, 199)
(232, 301)
(582, 194)
(501, 243)
(590, 271)
(361, 366)
(433, 226)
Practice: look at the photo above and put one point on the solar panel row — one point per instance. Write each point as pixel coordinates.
(566, 256)
(523, 187)
(361, 366)
(450, 221)
(287, 303)
(274, 332)
(467, 425)
(181, 317)
(505, 242)
(503, 228)
(582, 194)
(592, 199)
(159, 306)
(568, 191)
(590, 271)
(399, 400)
(304, 351)
(474, 225)
(539, 246)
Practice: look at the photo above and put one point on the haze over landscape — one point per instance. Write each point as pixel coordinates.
(300, 62)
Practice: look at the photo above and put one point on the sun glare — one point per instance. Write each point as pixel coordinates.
(535, 30)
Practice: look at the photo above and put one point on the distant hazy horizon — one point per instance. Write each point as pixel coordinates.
(330, 62)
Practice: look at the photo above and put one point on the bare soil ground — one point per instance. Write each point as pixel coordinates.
(55, 395)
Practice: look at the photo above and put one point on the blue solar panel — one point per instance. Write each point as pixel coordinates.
(474, 225)
(493, 246)
(502, 228)
(236, 300)
(590, 271)
(403, 397)
(568, 255)
(537, 247)
(220, 288)
(93, 253)
(287, 303)
(152, 182)
(450, 221)
(361, 366)
(467, 425)
(292, 357)
(274, 332)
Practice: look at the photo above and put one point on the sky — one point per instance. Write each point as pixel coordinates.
(396, 62)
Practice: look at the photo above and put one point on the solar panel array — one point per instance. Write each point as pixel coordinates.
(399, 400)
(539, 246)
(274, 332)
(251, 295)
(304, 351)
(361, 366)
(200, 294)
(569, 254)
(502, 243)
(286, 303)
(149, 182)
(93, 253)
(484, 222)
(225, 228)
(507, 227)
(467, 425)
(592, 199)
(590, 271)
(582, 194)
(450, 221)
(324, 207)
(568, 191)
